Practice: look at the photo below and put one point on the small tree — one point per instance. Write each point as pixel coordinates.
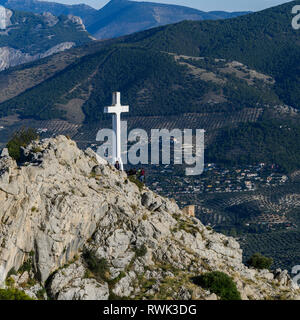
(13, 294)
(98, 266)
(220, 284)
(259, 261)
(21, 138)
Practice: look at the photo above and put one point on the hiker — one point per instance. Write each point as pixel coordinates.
(117, 165)
(142, 175)
(139, 173)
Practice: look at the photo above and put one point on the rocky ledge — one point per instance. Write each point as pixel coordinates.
(62, 209)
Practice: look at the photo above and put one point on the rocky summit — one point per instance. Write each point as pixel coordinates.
(73, 227)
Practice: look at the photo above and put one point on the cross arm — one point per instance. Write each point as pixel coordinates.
(116, 109)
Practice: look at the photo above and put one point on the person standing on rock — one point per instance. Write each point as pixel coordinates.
(142, 175)
(117, 165)
(138, 173)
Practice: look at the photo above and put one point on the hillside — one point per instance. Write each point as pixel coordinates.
(120, 17)
(264, 41)
(73, 228)
(152, 82)
(27, 37)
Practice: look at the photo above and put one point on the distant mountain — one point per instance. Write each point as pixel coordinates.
(120, 17)
(26, 36)
(83, 11)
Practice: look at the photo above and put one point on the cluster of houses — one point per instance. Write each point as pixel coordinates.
(216, 179)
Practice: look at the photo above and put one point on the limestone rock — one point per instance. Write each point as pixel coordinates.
(84, 289)
(50, 19)
(5, 15)
(125, 287)
(4, 152)
(59, 202)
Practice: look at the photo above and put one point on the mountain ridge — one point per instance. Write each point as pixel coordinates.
(147, 14)
(132, 16)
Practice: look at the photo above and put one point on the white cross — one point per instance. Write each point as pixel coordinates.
(116, 109)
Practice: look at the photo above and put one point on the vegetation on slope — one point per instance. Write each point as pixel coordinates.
(258, 261)
(270, 141)
(220, 284)
(20, 139)
(13, 294)
(151, 82)
(281, 245)
(264, 40)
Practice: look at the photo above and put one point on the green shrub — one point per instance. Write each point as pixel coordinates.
(26, 266)
(258, 261)
(20, 139)
(220, 284)
(141, 251)
(40, 294)
(9, 281)
(11, 272)
(13, 294)
(112, 282)
(99, 267)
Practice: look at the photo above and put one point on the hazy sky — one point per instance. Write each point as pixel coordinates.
(205, 5)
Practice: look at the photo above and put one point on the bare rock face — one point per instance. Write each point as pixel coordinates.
(45, 211)
(76, 20)
(10, 57)
(58, 48)
(5, 15)
(70, 284)
(50, 19)
(61, 202)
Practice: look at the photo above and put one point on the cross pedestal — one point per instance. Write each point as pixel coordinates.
(116, 109)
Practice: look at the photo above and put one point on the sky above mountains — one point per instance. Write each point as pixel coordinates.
(226, 5)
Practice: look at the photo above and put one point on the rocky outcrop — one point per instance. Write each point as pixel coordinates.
(50, 19)
(45, 35)
(61, 202)
(58, 48)
(70, 284)
(10, 57)
(76, 20)
(5, 15)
